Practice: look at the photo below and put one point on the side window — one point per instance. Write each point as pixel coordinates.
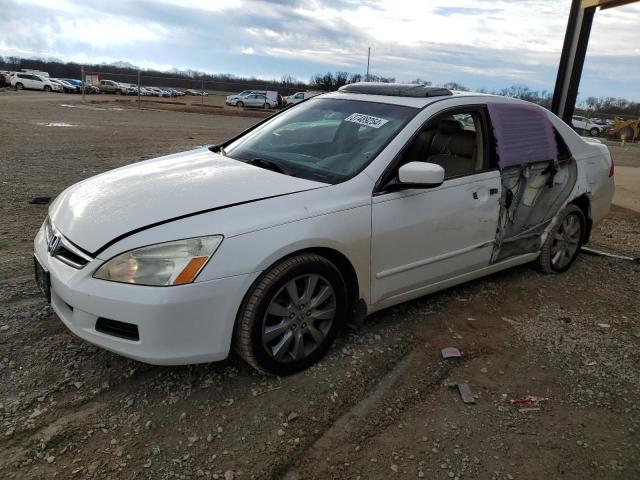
(454, 141)
(299, 95)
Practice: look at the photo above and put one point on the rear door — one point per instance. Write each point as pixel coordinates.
(424, 236)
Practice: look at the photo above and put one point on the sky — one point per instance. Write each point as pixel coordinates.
(479, 43)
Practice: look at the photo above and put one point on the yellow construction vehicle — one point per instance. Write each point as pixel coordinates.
(629, 129)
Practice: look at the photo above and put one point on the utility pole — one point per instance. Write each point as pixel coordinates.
(202, 92)
(366, 78)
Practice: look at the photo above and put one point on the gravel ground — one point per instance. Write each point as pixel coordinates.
(380, 404)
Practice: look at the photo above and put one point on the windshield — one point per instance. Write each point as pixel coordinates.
(327, 140)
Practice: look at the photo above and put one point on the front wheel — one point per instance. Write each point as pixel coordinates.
(19, 86)
(267, 106)
(594, 132)
(564, 241)
(47, 88)
(291, 315)
(240, 104)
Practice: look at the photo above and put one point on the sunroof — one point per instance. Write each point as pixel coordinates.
(395, 89)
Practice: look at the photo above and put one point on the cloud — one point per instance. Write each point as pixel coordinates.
(481, 43)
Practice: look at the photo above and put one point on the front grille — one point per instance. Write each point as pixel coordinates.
(62, 249)
(69, 257)
(128, 331)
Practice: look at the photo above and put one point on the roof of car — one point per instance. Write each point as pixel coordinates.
(404, 100)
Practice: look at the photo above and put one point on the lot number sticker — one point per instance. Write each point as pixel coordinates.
(366, 120)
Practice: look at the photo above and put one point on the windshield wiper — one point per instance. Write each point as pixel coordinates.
(268, 165)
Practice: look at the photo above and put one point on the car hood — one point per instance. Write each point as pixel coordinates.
(109, 206)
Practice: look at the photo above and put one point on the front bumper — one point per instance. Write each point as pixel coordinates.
(177, 325)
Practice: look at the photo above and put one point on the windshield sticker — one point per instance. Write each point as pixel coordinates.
(366, 120)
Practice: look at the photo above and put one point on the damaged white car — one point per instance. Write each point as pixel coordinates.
(340, 206)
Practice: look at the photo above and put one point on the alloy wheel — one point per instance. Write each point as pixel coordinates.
(566, 241)
(298, 318)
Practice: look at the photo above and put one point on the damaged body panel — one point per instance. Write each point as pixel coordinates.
(538, 176)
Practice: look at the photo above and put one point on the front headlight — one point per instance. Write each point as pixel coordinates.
(170, 263)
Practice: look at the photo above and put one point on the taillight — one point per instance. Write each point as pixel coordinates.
(611, 169)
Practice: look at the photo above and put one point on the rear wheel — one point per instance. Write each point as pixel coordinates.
(291, 316)
(564, 241)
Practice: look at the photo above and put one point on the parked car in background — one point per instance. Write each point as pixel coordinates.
(158, 92)
(75, 83)
(335, 208)
(66, 86)
(299, 97)
(5, 78)
(237, 96)
(255, 100)
(113, 87)
(30, 81)
(198, 93)
(271, 95)
(586, 125)
(176, 93)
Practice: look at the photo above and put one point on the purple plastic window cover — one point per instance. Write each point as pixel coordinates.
(523, 134)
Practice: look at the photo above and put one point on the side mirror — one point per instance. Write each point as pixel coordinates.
(420, 175)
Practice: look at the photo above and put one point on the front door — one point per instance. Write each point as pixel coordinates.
(424, 236)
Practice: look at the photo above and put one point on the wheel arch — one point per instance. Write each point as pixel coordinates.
(339, 259)
(584, 204)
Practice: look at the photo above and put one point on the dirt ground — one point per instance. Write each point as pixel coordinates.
(379, 406)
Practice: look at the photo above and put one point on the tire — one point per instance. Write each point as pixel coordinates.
(267, 106)
(594, 132)
(276, 335)
(563, 244)
(19, 86)
(240, 104)
(47, 88)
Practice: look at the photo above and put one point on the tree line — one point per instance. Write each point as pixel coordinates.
(329, 81)
(603, 106)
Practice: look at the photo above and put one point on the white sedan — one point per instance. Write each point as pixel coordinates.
(343, 205)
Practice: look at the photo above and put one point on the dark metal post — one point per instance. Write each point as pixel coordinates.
(574, 51)
(82, 81)
(202, 92)
(138, 89)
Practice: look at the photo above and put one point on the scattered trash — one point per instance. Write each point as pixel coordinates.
(593, 251)
(531, 409)
(604, 325)
(40, 200)
(465, 393)
(529, 399)
(590, 363)
(449, 353)
(463, 388)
